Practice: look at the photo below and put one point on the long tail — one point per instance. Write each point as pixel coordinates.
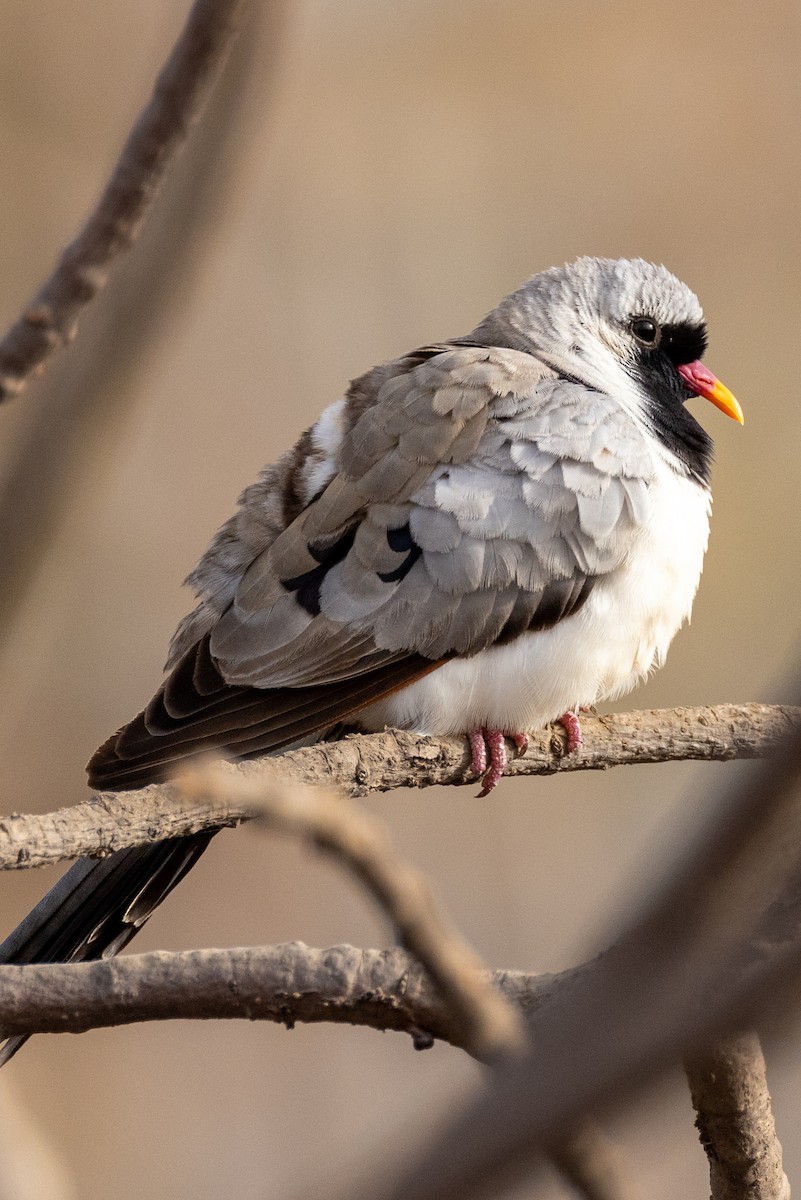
(98, 906)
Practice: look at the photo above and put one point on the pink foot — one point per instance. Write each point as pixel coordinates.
(488, 756)
(478, 751)
(572, 727)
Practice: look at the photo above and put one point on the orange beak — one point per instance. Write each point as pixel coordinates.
(704, 383)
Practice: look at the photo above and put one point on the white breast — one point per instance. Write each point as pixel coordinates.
(600, 652)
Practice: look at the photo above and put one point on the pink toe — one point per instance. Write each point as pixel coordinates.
(521, 741)
(478, 751)
(572, 727)
(498, 760)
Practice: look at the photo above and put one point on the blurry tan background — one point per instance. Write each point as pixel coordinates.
(405, 165)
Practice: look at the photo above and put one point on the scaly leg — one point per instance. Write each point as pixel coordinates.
(572, 727)
(488, 755)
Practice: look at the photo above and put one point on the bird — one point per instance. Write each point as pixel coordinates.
(482, 536)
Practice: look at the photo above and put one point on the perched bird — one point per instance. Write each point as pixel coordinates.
(479, 538)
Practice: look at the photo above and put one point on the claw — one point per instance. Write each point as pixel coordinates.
(488, 755)
(572, 727)
(521, 741)
(499, 760)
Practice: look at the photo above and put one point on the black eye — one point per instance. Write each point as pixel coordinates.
(645, 330)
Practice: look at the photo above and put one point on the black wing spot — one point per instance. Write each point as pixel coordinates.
(307, 586)
(401, 540)
(518, 620)
(561, 598)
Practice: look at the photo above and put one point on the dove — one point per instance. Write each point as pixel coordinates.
(482, 536)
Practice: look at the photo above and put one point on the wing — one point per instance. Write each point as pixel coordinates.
(468, 496)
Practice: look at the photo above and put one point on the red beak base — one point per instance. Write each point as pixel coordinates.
(701, 381)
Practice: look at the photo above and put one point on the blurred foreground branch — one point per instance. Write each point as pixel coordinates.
(180, 92)
(74, 419)
(714, 948)
(490, 1028)
(384, 761)
(705, 957)
(31, 1166)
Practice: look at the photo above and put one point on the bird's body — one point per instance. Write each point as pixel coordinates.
(484, 533)
(612, 643)
(479, 537)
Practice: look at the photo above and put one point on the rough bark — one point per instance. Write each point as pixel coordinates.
(384, 761)
(735, 1122)
(383, 989)
(717, 945)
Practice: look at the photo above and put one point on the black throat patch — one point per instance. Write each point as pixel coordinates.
(670, 419)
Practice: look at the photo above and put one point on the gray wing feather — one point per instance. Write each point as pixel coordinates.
(599, 516)
(467, 486)
(434, 529)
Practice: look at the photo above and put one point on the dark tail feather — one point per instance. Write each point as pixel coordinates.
(98, 906)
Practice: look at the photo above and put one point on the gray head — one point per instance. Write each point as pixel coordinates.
(624, 327)
(591, 319)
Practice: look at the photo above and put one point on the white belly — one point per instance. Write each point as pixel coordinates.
(621, 633)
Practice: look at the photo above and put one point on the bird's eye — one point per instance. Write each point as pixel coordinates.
(645, 330)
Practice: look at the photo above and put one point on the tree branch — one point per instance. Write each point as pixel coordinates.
(491, 1029)
(383, 761)
(73, 423)
(591, 1163)
(286, 984)
(179, 94)
(30, 1164)
(381, 989)
(718, 944)
(733, 1114)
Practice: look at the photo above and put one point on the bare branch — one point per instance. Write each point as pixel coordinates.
(491, 1028)
(49, 319)
(591, 1164)
(383, 989)
(730, 1095)
(718, 944)
(31, 1167)
(383, 761)
(74, 420)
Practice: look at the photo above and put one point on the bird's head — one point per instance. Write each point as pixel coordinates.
(624, 327)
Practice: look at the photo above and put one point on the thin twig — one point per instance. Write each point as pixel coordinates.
(76, 413)
(360, 841)
(730, 1095)
(49, 319)
(383, 761)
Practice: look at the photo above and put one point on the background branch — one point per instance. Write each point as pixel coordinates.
(383, 761)
(49, 319)
(75, 417)
(483, 1025)
(735, 1122)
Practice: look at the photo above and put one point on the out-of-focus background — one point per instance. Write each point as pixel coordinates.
(400, 167)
